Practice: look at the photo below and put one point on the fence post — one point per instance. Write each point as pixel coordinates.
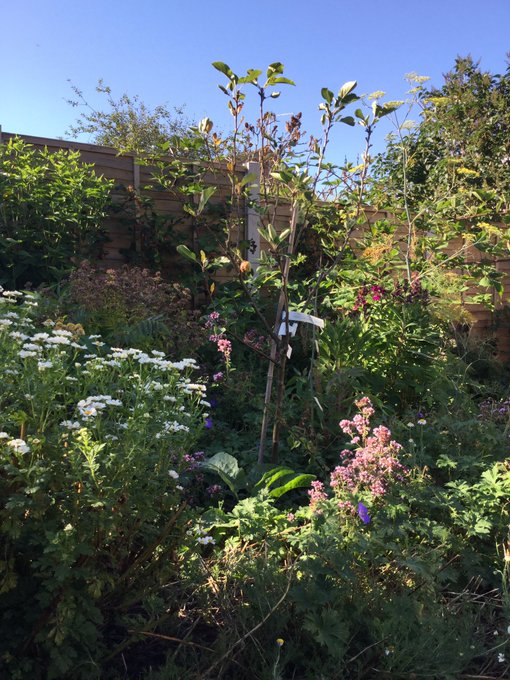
(136, 187)
(252, 216)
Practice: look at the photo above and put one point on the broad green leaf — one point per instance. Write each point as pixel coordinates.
(275, 68)
(205, 195)
(227, 467)
(186, 252)
(348, 120)
(327, 95)
(298, 482)
(271, 476)
(281, 80)
(347, 88)
(249, 178)
(223, 68)
(251, 76)
(221, 261)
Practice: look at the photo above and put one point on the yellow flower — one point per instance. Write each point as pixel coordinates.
(280, 642)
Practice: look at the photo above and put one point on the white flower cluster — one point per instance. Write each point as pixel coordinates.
(203, 537)
(70, 424)
(41, 341)
(172, 399)
(19, 445)
(92, 406)
(43, 365)
(189, 388)
(173, 426)
(206, 540)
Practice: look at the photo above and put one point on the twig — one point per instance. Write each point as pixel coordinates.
(170, 638)
(254, 629)
(374, 644)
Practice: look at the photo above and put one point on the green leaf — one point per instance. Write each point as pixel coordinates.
(205, 195)
(223, 68)
(389, 108)
(327, 95)
(226, 467)
(271, 476)
(272, 233)
(221, 261)
(283, 176)
(186, 252)
(347, 88)
(280, 80)
(251, 76)
(348, 120)
(249, 178)
(275, 68)
(298, 482)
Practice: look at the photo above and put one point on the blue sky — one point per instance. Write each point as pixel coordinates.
(162, 51)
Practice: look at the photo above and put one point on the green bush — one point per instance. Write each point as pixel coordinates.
(51, 207)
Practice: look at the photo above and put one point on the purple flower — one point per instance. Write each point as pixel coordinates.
(218, 376)
(363, 513)
(208, 423)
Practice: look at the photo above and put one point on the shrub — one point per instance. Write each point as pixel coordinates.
(51, 207)
(131, 305)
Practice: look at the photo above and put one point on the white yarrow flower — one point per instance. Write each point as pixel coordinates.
(206, 540)
(19, 445)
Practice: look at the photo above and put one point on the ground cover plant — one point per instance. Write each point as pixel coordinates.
(337, 511)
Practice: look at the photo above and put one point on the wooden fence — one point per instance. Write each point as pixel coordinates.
(126, 238)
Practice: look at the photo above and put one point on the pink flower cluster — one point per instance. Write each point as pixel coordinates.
(368, 470)
(373, 465)
(192, 460)
(224, 346)
(212, 319)
(366, 293)
(255, 340)
(317, 494)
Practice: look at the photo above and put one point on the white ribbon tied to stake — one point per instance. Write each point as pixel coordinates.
(295, 318)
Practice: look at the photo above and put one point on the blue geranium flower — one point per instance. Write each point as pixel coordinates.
(363, 513)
